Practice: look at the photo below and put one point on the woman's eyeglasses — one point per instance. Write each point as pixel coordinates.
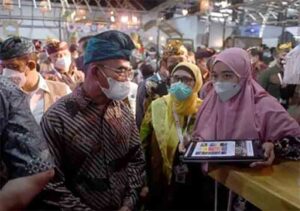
(183, 79)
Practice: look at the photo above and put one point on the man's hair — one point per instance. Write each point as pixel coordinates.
(256, 52)
(146, 70)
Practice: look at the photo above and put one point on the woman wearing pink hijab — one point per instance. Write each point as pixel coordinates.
(239, 108)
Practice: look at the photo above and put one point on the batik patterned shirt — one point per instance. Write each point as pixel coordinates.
(22, 149)
(97, 149)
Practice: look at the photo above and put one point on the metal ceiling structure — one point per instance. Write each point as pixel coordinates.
(267, 12)
(67, 15)
(282, 13)
(89, 11)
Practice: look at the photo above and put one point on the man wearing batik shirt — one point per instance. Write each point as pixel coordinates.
(23, 151)
(92, 132)
(64, 69)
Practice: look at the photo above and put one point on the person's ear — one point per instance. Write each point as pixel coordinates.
(31, 64)
(99, 76)
(94, 70)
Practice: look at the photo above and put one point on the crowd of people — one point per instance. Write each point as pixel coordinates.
(94, 126)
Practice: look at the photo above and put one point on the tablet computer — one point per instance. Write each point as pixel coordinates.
(246, 150)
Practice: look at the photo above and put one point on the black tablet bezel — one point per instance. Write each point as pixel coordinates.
(257, 149)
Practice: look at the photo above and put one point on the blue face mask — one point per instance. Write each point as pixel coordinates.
(180, 91)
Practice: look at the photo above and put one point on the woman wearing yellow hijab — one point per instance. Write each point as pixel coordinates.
(166, 122)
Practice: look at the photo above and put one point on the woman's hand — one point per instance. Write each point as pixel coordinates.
(182, 146)
(268, 153)
(18, 193)
(144, 192)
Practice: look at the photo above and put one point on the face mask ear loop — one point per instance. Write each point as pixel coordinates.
(103, 74)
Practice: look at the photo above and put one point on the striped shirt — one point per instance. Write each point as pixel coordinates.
(97, 150)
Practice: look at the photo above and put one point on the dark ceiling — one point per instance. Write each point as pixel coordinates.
(149, 4)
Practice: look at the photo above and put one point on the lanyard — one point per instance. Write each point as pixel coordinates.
(158, 76)
(280, 78)
(178, 128)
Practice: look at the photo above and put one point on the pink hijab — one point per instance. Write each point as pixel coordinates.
(252, 113)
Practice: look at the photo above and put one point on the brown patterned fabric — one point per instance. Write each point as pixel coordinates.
(97, 150)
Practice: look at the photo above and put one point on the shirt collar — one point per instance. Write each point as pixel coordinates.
(42, 84)
(80, 97)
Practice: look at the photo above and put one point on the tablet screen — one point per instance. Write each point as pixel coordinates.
(223, 149)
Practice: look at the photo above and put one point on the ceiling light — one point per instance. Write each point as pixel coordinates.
(43, 6)
(224, 4)
(185, 12)
(112, 18)
(124, 19)
(134, 19)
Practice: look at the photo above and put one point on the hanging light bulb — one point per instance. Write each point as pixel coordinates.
(124, 19)
(43, 6)
(81, 12)
(185, 12)
(80, 15)
(134, 19)
(7, 5)
(204, 6)
(112, 19)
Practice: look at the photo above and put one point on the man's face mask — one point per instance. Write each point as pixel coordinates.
(63, 63)
(267, 54)
(117, 90)
(152, 54)
(15, 76)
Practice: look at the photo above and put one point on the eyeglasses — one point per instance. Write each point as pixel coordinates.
(121, 71)
(183, 79)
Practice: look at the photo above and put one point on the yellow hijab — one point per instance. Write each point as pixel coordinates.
(163, 121)
(190, 105)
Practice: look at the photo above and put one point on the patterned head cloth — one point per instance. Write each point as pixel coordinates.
(56, 46)
(16, 47)
(108, 45)
(174, 48)
(284, 47)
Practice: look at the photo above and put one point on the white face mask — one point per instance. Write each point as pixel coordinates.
(226, 90)
(117, 90)
(63, 63)
(15, 76)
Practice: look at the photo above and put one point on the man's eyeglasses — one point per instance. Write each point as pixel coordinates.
(183, 79)
(121, 71)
